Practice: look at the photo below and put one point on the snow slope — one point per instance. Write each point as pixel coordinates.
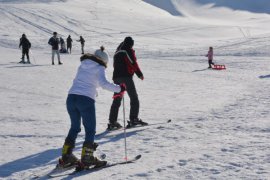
(220, 119)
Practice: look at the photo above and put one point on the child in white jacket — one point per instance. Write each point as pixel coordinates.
(81, 106)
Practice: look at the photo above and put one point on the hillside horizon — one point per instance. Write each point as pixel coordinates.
(172, 6)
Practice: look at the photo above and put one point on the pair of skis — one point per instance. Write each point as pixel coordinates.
(104, 133)
(60, 171)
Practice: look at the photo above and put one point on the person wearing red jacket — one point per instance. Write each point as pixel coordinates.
(125, 66)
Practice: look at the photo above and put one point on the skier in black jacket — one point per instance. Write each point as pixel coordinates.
(125, 65)
(54, 42)
(69, 44)
(82, 43)
(26, 45)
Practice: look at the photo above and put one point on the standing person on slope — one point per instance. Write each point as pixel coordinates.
(26, 45)
(125, 65)
(69, 44)
(210, 55)
(82, 43)
(63, 46)
(81, 105)
(54, 42)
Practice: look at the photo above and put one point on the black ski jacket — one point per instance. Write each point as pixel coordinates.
(25, 43)
(54, 42)
(69, 42)
(125, 62)
(81, 40)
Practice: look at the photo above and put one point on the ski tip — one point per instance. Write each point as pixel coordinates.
(169, 121)
(138, 156)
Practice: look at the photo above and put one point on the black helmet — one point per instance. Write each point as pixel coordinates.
(54, 33)
(129, 41)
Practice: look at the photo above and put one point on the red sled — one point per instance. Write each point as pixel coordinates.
(219, 67)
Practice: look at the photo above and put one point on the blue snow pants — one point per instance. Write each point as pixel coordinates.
(81, 108)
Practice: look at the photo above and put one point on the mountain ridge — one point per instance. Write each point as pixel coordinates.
(172, 6)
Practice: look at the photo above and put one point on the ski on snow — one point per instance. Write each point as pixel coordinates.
(56, 170)
(93, 169)
(134, 127)
(153, 124)
(59, 172)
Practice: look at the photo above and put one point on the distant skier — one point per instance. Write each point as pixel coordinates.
(81, 105)
(61, 41)
(26, 45)
(125, 65)
(82, 43)
(63, 46)
(210, 55)
(54, 42)
(69, 44)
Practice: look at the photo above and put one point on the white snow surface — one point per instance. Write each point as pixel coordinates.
(220, 119)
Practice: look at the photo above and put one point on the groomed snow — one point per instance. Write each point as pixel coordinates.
(220, 119)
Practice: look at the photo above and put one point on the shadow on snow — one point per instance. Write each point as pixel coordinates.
(198, 70)
(264, 76)
(26, 66)
(49, 157)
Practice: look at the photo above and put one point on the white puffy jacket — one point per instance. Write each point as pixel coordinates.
(90, 76)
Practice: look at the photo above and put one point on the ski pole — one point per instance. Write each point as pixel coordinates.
(121, 95)
(125, 135)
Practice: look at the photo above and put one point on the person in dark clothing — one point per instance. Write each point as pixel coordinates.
(63, 46)
(54, 42)
(26, 45)
(125, 65)
(61, 41)
(210, 55)
(69, 44)
(82, 43)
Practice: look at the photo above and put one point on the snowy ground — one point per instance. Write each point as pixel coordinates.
(220, 119)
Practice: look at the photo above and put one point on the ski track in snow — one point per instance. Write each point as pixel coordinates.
(49, 20)
(25, 21)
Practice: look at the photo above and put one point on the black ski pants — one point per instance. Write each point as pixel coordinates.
(134, 100)
(210, 62)
(25, 52)
(69, 49)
